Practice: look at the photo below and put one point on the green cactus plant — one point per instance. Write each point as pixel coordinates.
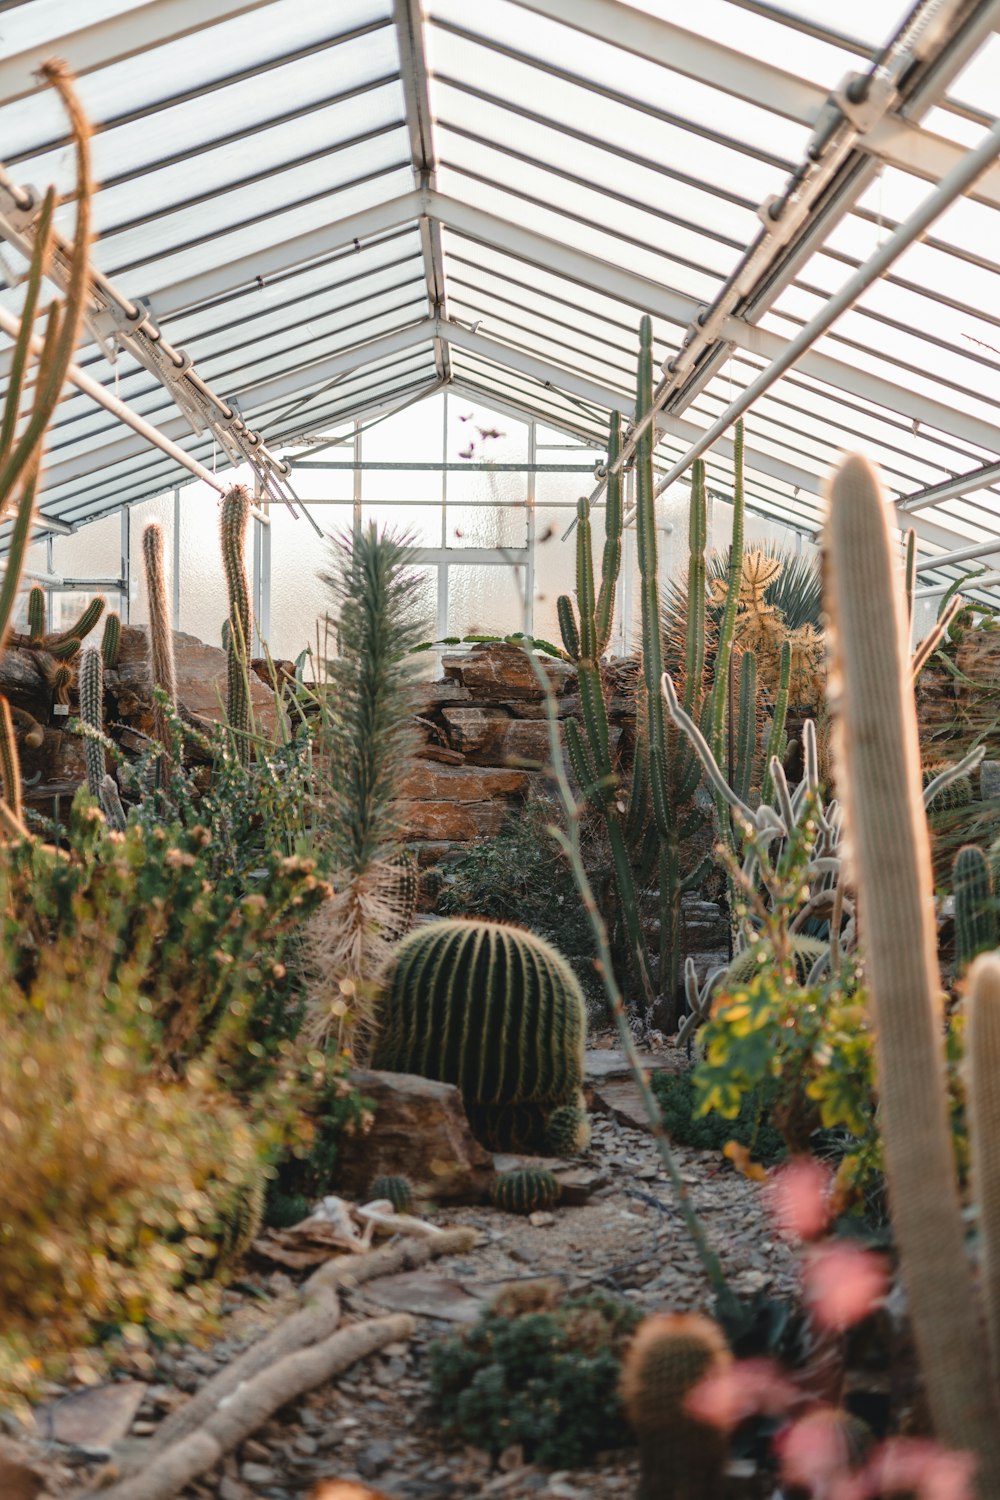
(398, 1191)
(976, 925)
(234, 521)
(90, 684)
(805, 952)
(111, 641)
(10, 762)
(879, 778)
(36, 613)
(493, 1009)
(954, 794)
(161, 640)
(527, 1190)
(567, 1130)
(681, 1457)
(983, 1054)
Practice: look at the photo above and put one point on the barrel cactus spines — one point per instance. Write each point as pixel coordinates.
(878, 774)
(36, 613)
(161, 637)
(681, 1457)
(90, 684)
(493, 1009)
(396, 1190)
(10, 761)
(111, 641)
(527, 1190)
(567, 1130)
(976, 925)
(235, 518)
(397, 881)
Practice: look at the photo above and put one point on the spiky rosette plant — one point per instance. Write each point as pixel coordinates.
(396, 1190)
(527, 1190)
(366, 743)
(682, 1457)
(235, 517)
(493, 1009)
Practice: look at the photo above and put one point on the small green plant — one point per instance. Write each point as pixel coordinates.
(539, 1369)
(397, 1190)
(687, 1125)
(525, 1191)
(459, 1000)
(234, 518)
(567, 1130)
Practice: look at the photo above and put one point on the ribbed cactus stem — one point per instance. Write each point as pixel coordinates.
(746, 729)
(727, 626)
(611, 561)
(10, 761)
(83, 626)
(670, 1356)
(975, 910)
(911, 572)
(567, 626)
(36, 613)
(111, 641)
(879, 778)
(983, 1084)
(161, 635)
(235, 518)
(694, 651)
(90, 684)
(111, 802)
(649, 590)
(776, 738)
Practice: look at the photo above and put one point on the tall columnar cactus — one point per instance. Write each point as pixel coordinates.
(235, 517)
(90, 683)
(161, 638)
(879, 776)
(36, 613)
(111, 641)
(983, 1082)
(493, 1009)
(682, 1458)
(10, 762)
(975, 908)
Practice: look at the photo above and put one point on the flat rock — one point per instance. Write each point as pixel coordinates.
(201, 676)
(454, 822)
(601, 1063)
(621, 1099)
(22, 1475)
(495, 671)
(434, 783)
(95, 1418)
(425, 1296)
(421, 1132)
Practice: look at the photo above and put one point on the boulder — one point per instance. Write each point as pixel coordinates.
(201, 680)
(420, 1131)
(22, 1474)
(454, 822)
(434, 783)
(496, 671)
(490, 737)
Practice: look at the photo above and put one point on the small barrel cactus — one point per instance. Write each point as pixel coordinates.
(496, 1011)
(398, 1191)
(975, 909)
(681, 1457)
(525, 1191)
(567, 1130)
(36, 613)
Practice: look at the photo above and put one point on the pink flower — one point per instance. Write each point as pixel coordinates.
(842, 1283)
(743, 1389)
(814, 1450)
(914, 1467)
(799, 1198)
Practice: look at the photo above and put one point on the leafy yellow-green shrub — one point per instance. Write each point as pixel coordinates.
(115, 1184)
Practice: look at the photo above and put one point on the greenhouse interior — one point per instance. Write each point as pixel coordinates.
(499, 750)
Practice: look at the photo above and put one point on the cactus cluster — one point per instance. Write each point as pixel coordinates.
(682, 1458)
(527, 1190)
(396, 1190)
(238, 635)
(493, 1009)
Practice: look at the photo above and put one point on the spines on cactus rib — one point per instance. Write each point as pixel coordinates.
(234, 520)
(567, 626)
(776, 738)
(983, 1082)
(604, 611)
(694, 645)
(879, 778)
(975, 909)
(746, 729)
(649, 590)
(397, 1190)
(727, 627)
(161, 635)
(36, 613)
(111, 802)
(10, 761)
(526, 1190)
(90, 685)
(670, 1355)
(111, 641)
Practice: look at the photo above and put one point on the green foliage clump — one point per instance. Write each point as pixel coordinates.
(525, 1191)
(539, 1369)
(678, 1099)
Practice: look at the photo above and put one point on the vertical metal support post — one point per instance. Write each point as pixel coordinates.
(442, 572)
(258, 559)
(529, 533)
(125, 570)
(177, 558)
(356, 516)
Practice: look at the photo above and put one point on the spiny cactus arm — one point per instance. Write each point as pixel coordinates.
(698, 740)
(910, 572)
(91, 689)
(951, 773)
(111, 641)
(579, 759)
(746, 734)
(776, 738)
(611, 561)
(585, 601)
(727, 626)
(567, 626)
(234, 520)
(649, 590)
(880, 779)
(10, 763)
(84, 625)
(161, 638)
(36, 613)
(975, 910)
(694, 650)
(935, 636)
(983, 1054)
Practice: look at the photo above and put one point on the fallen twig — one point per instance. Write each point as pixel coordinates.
(351, 1271)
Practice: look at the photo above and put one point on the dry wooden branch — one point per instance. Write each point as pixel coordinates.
(248, 1407)
(352, 1270)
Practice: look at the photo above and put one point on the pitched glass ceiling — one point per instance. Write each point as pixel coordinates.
(335, 208)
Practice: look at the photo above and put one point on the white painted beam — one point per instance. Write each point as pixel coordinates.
(539, 369)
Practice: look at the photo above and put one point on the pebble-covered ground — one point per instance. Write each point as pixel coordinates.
(374, 1426)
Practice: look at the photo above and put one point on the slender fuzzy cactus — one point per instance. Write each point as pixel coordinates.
(983, 1082)
(90, 684)
(161, 639)
(461, 999)
(36, 613)
(111, 641)
(235, 517)
(111, 802)
(975, 908)
(879, 777)
(527, 1190)
(681, 1457)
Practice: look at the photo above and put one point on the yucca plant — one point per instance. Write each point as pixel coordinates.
(366, 742)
